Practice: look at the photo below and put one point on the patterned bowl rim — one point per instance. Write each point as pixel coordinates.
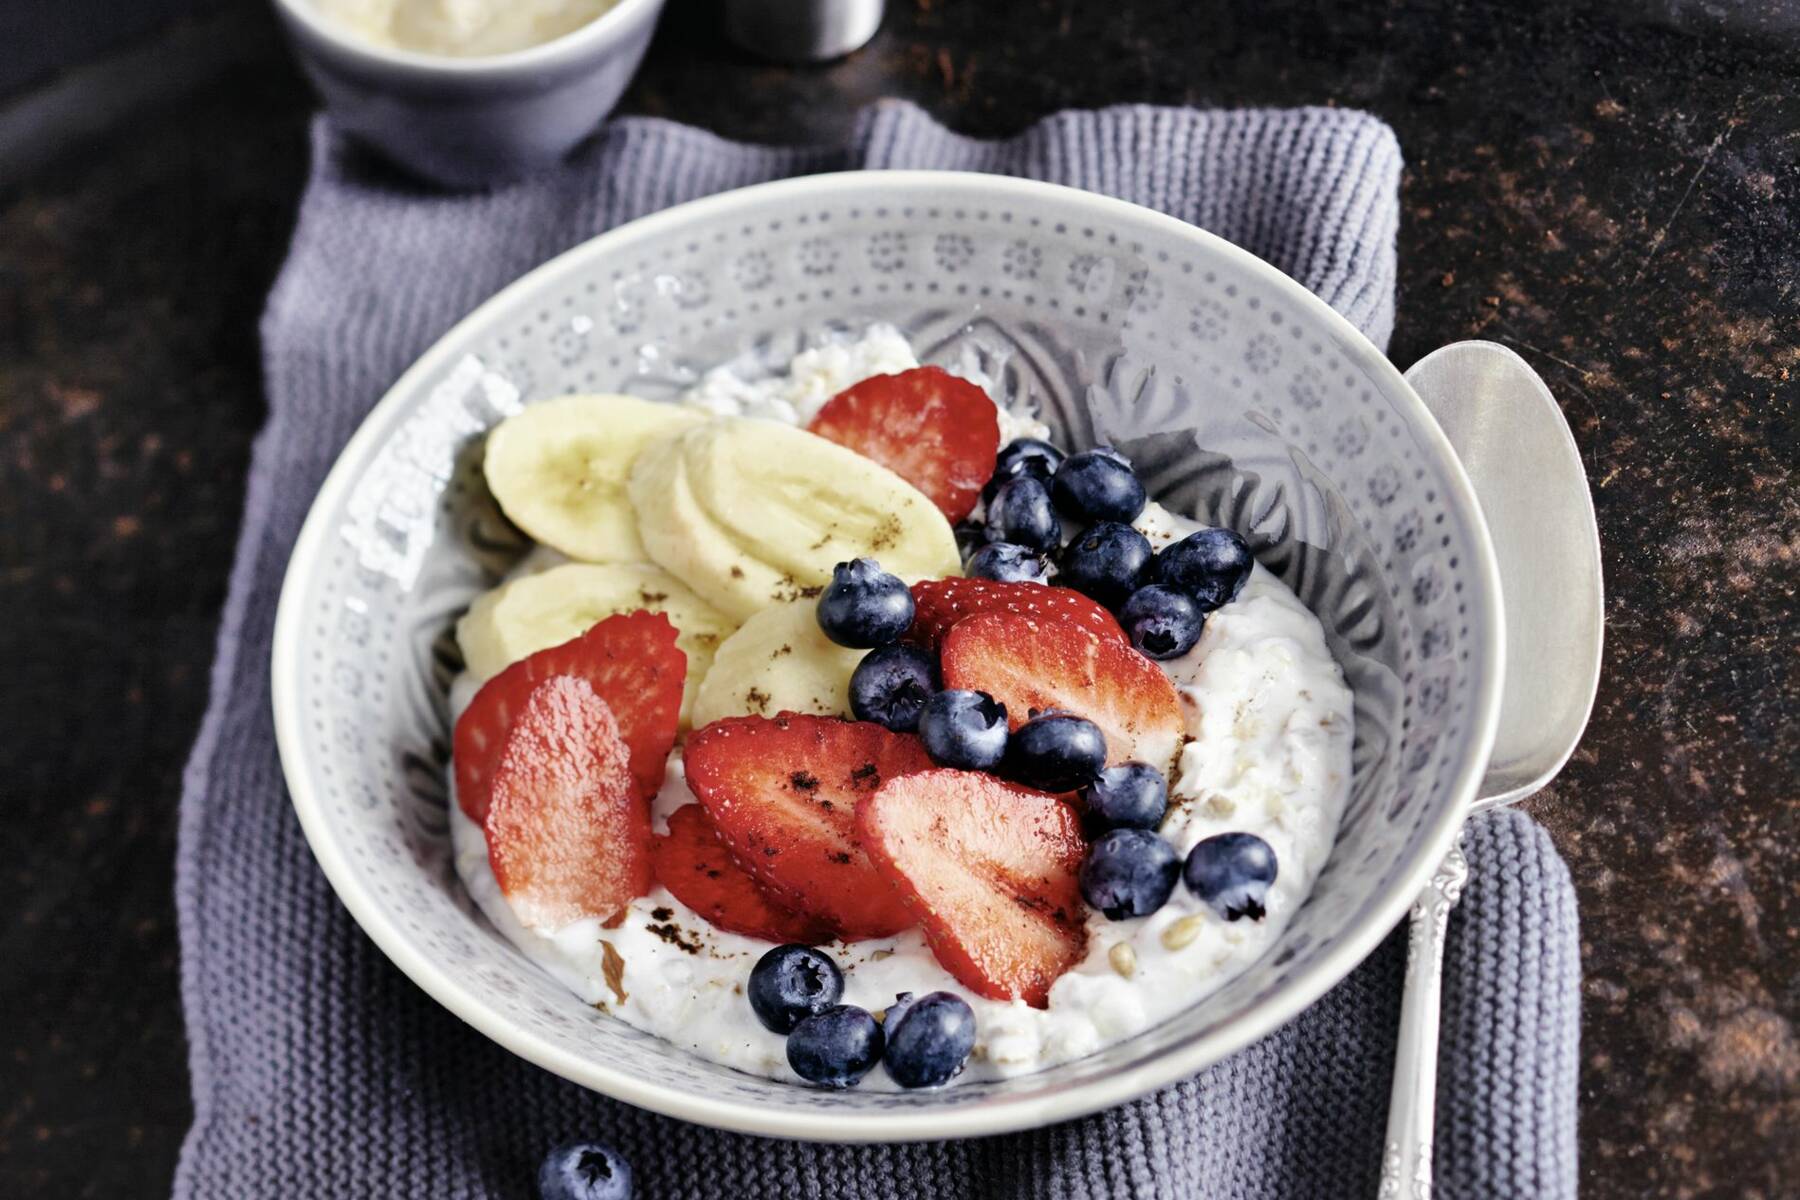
(989, 1115)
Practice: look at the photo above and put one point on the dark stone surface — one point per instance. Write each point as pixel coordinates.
(1612, 189)
(44, 35)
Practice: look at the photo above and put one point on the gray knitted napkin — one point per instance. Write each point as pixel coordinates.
(319, 1071)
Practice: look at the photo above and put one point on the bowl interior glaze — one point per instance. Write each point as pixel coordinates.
(1243, 399)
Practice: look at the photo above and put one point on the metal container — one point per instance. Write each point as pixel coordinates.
(802, 30)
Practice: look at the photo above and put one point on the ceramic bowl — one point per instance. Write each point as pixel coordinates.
(1244, 400)
(471, 122)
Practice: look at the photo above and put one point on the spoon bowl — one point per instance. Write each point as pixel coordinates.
(1516, 445)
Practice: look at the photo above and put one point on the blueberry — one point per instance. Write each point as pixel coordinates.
(1129, 873)
(1024, 457)
(1107, 562)
(891, 684)
(1132, 795)
(863, 605)
(584, 1171)
(1162, 622)
(837, 1047)
(1211, 566)
(1057, 752)
(1021, 513)
(929, 1039)
(1232, 872)
(1008, 563)
(964, 729)
(890, 1017)
(791, 982)
(1098, 485)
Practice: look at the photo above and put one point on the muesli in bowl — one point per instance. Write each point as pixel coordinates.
(750, 755)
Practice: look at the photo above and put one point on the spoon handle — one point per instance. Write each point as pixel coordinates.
(1406, 1158)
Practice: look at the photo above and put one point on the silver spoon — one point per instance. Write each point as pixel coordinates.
(1512, 439)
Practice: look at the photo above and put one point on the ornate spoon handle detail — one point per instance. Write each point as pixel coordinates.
(1406, 1160)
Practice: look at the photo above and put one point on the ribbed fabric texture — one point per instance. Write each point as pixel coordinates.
(320, 1071)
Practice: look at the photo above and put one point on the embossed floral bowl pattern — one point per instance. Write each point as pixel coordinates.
(1243, 398)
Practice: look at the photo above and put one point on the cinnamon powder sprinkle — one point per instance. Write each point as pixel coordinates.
(612, 966)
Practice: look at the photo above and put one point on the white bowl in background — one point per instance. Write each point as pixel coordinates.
(471, 122)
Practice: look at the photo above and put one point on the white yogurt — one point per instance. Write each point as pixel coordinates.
(816, 375)
(1268, 715)
(462, 28)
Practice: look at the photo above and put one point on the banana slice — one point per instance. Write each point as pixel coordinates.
(551, 606)
(749, 511)
(777, 661)
(559, 468)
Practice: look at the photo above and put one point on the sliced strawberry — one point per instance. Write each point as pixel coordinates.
(783, 793)
(696, 866)
(568, 835)
(990, 868)
(1032, 665)
(941, 603)
(938, 432)
(629, 659)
